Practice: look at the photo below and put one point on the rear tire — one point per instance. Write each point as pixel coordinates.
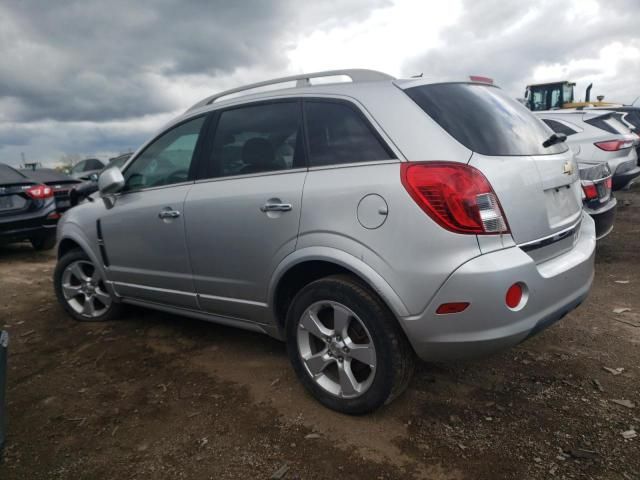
(81, 290)
(346, 347)
(44, 242)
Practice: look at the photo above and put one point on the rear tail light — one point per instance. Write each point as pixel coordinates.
(456, 196)
(609, 183)
(39, 192)
(614, 145)
(590, 190)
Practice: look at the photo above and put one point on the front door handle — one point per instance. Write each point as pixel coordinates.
(276, 207)
(168, 214)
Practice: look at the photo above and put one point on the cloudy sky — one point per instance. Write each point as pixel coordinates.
(95, 78)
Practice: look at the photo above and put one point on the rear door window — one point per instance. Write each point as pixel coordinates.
(258, 138)
(339, 134)
(484, 119)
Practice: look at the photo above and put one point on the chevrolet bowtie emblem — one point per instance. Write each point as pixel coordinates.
(567, 168)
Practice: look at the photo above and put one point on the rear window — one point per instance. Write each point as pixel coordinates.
(559, 127)
(484, 119)
(9, 175)
(609, 124)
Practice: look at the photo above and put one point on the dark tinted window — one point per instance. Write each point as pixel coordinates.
(258, 138)
(608, 123)
(10, 175)
(559, 127)
(93, 164)
(79, 167)
(633, 117)
(339, 134)
(484, 119)
(167, 159)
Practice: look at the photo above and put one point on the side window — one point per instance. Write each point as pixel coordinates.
(167, 160)
(258, 138)
(339, 134)
(93, 164)
(559, 127)
(79, 167)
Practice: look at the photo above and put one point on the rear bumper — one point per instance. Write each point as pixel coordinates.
(20, 228)
(553, 289)
(621, 180)
(604, 217)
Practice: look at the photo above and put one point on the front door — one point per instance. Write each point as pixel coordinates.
(143, 232)
(243, 219)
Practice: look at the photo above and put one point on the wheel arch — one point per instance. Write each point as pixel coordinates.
(309, 264)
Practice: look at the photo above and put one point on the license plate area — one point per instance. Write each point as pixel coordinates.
(563, 204)
(11, 202)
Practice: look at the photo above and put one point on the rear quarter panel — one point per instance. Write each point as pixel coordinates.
(409, 251)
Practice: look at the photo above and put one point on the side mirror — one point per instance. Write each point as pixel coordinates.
(93, 177)
(110, 181)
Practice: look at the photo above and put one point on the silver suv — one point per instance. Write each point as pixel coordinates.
(363, 222)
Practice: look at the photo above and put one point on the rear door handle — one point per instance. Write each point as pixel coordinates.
(276, 207)
(169, 214)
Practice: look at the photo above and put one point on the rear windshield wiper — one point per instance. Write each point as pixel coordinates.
(553, 139)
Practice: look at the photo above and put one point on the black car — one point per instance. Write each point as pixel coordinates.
(597, 196)
(61, 183)
(27, 210)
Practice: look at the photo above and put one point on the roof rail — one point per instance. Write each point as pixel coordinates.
(357, 75)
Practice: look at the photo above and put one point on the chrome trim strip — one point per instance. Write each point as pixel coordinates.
(548, 240)
(153, 289)
(233, 300)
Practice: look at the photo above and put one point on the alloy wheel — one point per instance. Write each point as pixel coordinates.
(336, 349)
(84, 290)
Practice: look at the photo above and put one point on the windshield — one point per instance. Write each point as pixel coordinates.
(485, 119)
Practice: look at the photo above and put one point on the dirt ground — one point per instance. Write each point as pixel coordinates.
(163, 397)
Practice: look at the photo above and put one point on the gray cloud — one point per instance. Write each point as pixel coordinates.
(96, 61)
(508, 40)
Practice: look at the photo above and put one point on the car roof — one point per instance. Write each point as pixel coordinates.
(303, 87)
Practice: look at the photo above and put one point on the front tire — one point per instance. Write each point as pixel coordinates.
(81, 290)
(346, 347)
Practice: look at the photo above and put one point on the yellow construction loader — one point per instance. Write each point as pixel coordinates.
(549, 96)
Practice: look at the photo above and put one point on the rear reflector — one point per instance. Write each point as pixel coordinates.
(590, 190)
(456, 196)
(514, 295)
(614, 145)
(453, 307)
(39, 192)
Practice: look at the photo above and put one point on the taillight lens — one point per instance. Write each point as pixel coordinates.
(609, 183)
(590, 190)
(39, 192)
(456, 196)
(614, 145)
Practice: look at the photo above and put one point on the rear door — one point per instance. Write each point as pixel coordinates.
(242, 217)
(538, 186)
